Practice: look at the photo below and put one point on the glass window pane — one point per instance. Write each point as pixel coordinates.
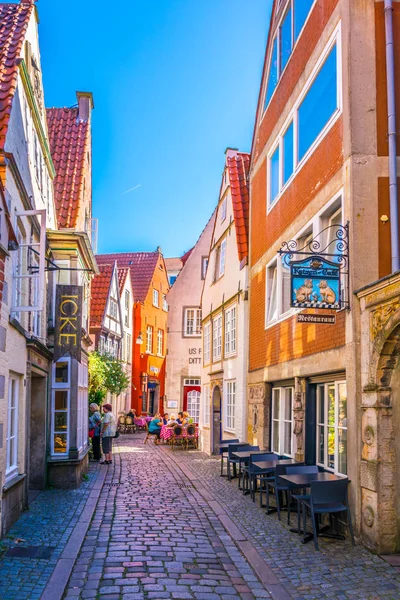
(288, 153)
(342, 451)
(331, 448)
(60, 443)
(61, 400)
(321, 444)
(273, 73)
(60, 421)
(286, 39)
(301, 10)
(62, 372)
(274, 175)
(276, 404)
(287, 442)
(342, 416)
(331, 404)
(285, 287)
(288, 404)
(275, 426)
(321, 403)
(272, 294)
(319, 104)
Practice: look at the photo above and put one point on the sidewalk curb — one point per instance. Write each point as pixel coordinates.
(255, 560)
(58, 581)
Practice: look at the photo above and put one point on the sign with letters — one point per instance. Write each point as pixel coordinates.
(314, 318)
(68, 322)
(315, 283)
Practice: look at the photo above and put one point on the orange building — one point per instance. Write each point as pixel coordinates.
(320, 172)
(150, 311)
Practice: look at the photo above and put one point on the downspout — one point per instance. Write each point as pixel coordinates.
(394, 213)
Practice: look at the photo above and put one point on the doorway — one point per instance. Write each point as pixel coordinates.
(151, 401)
(37, 438)
(217, 420)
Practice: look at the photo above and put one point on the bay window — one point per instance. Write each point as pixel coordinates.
(61, 406)
(12, 428)
(207, 343)
(313, 113)
(332, 426)
(282, 421)
(192, 322)
(230, 330)
(230, 405)
(217, 338)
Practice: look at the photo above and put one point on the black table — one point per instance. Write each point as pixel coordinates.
(269, 465)
(223, 449)
(302, 481)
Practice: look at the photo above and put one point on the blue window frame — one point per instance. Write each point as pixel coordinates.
(274, 175)
(288, 158)
(319, 104)
(273, 72)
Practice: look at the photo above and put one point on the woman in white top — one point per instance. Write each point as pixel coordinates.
(108, 428)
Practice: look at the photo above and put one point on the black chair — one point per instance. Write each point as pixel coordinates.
(251, 476)
(246, 449)
(299, 470)
(232, 448)
(327, 497)
(224, 454)
(278, 486)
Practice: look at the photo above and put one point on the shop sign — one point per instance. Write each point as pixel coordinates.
(315, 283)
(314, 318)
(68, 322)
(154, 370)
(194, 356)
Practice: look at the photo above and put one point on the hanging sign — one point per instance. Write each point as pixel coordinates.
(68, 325)
(315, 283)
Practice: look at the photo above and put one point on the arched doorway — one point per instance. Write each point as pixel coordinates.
(216, 419)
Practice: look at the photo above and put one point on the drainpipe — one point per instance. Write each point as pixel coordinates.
(394, 213)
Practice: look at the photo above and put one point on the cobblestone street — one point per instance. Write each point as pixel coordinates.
(167, 526)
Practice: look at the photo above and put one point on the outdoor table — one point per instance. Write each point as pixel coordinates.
(223, 449)
(167, 433)
(140, 422)
(244, 456)
(269, 465)
(302, 481)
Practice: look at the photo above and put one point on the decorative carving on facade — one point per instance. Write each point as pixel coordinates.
(257, 393)
(255, 418)
(298, 416)
(381, 315)
(369, 435)
(368, 516)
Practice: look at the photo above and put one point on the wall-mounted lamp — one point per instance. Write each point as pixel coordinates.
(139, 339)
(384, 219)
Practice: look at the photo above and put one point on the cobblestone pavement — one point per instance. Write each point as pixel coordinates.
(158, 533)
(49, 522)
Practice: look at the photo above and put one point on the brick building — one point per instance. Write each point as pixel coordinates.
(319, 161)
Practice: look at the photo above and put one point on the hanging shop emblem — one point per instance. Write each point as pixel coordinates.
(68, 326)
(319, 276)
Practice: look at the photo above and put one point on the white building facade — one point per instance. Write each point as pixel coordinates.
(224, 309)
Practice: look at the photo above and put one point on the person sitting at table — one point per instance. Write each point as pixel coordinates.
(187, 417)
(171, 421)
(132, 413)
(165, 419)
(180, 418)
(155, 426)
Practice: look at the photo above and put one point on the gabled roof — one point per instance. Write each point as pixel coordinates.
(238, 170)
(99, 294)
(173, 264)
(122, 275)
(69, 139)
(14, 19)
(141, 266)
(186, 256)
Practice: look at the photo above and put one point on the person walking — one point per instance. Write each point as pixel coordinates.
(94, 430)
(108, 429)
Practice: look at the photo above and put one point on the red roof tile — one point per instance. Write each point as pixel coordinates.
(186, 256)
(69, 139)
(99, 294)
(238, 169)
(122, 275)
(141, 265)
(14, 20)
(173, 264)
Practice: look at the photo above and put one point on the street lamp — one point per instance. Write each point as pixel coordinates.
(139, 339)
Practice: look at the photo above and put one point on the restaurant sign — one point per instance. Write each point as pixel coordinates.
(315, 283)
(68, 325)
(316, 318)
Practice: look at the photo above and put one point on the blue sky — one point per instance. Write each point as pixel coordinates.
(175, 82)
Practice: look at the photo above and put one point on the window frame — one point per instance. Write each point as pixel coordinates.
(224, 208)
(156, 298)
(207, 343)
(222, 258)
(336, 383)
(149, 339)
(164, 303)
(198, 396)
(230, 416)
(282, 421)
(61, 387)
(160, 346)
(230, 343)
(127, 307)
(217, 342)
(276, 263)
(335, 39)
(196, 322)
(11, 470)
(128, 348)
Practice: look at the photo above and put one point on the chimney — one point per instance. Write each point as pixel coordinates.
(85, 105)
(230, 152)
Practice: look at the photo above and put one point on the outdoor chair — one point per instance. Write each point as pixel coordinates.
(149, 435)
(177, 438)
(326, 497)
(246, 449)
(235, 461)
(130, 426)
(302, 495)
(121, 424)
(191, 437)
(278, 486)
(225, 454)
(250, 476)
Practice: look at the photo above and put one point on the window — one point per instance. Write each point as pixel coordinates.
(149, 340)
(222, 256)
(82, 405)
(288, 31)
(113, 308)
(282, 421)
(12, 428)
(102, 344)
(278, 290)
(332, 426)
(223, 209)
(230, 331)
(128, 347)
(127, 307)
(207, 343)
(192, 322)
(164, 303)
(160, 342)
(61, 406)
(193, 406)
(206, 404)
(313, 112)
(155, 297)
(172, 279)
(217, 338)
(230, 405)
(204, 265)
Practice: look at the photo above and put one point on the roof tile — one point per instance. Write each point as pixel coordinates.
(99, 294)
(238, 169)
(141, 265)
